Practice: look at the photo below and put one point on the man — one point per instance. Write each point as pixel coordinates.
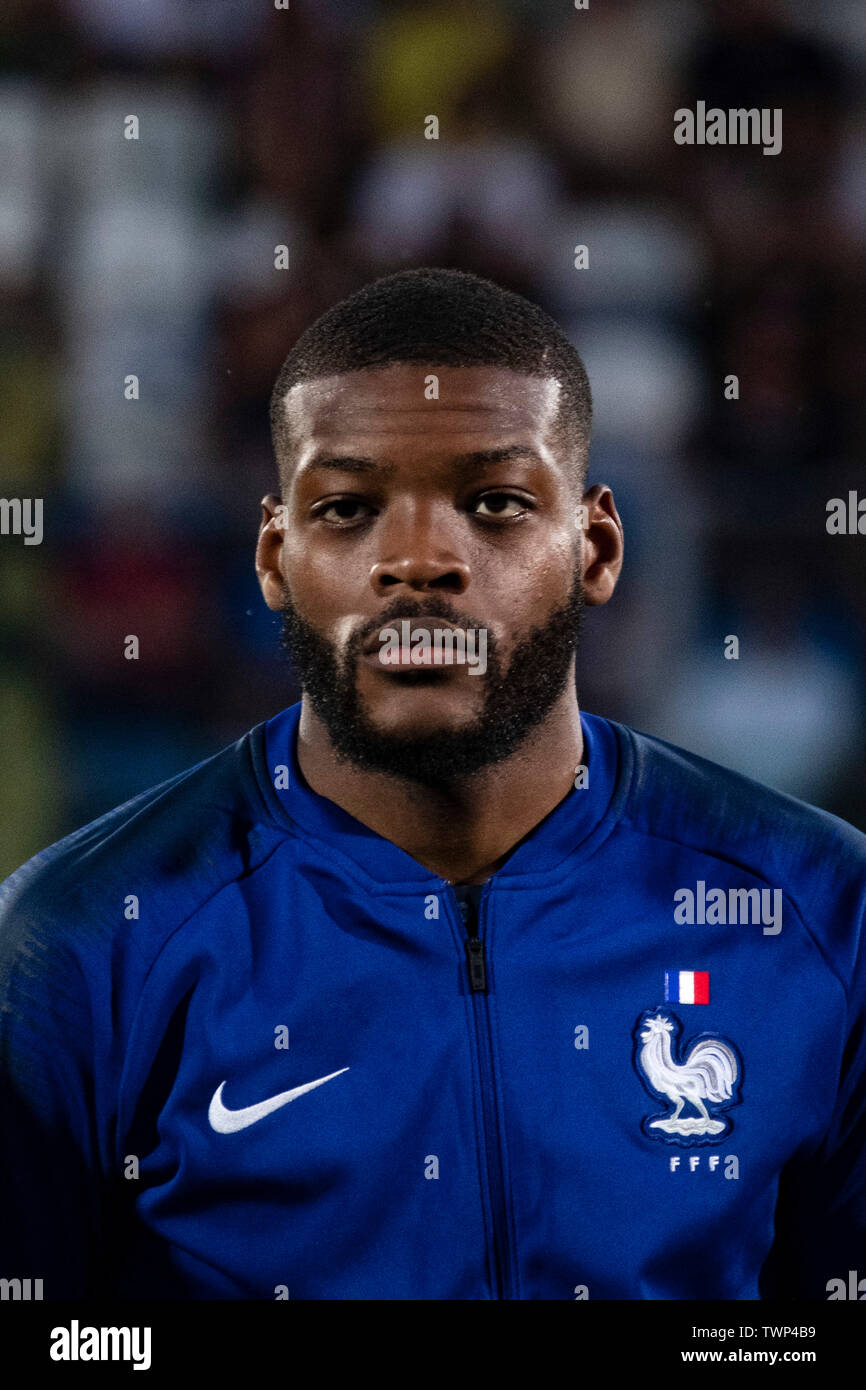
(432, 986)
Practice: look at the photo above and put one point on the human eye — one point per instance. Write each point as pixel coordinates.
(502, 506)
(346, 509)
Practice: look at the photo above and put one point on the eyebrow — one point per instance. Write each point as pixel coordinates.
(464, 463)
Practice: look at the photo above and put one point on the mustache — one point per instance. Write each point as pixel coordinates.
(395, 612)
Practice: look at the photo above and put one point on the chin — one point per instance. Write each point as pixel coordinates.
(420, 712)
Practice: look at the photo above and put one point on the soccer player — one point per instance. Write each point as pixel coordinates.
(434, 986)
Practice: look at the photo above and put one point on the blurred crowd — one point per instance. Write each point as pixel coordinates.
(304, 127)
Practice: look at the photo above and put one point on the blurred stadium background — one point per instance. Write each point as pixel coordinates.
(305, 127)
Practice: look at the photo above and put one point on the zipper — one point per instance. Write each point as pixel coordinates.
(477, 973)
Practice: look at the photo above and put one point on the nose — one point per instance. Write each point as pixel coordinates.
(418, 551)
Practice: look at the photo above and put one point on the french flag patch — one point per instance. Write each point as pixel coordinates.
(687, 986)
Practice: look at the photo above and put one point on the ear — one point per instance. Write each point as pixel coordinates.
(603, 545)
(269, 550)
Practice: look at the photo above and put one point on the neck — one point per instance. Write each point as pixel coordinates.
(465, 830)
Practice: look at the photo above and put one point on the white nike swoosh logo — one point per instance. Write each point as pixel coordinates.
(226, 1121)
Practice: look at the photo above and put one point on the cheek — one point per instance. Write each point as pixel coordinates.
(548, 574)
(521, 595)
(322, 590)
(312, 579)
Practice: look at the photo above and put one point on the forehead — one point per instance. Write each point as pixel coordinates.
(391, 403)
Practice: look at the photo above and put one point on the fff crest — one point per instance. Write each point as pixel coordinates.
(700, 1081)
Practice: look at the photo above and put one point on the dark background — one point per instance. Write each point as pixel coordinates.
(305, 127)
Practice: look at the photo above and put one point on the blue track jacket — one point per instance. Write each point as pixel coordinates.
(250, 1049)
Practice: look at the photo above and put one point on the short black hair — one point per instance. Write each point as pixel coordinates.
(447, 318)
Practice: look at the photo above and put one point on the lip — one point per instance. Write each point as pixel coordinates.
(405, 669)
(373, 643)
(407, 672)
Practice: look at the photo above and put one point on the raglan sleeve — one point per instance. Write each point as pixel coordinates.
(51, 1186)
(820, 1246)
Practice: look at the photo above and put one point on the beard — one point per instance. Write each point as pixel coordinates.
(516, 697)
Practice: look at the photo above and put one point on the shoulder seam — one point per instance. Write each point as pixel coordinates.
(726, 859)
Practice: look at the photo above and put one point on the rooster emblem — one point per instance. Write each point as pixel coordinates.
(709, 1074)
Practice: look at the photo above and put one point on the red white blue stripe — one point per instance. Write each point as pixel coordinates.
(687, 986)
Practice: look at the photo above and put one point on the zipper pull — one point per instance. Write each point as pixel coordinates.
(475, 962)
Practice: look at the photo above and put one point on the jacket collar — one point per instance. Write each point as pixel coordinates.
(571, 830)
